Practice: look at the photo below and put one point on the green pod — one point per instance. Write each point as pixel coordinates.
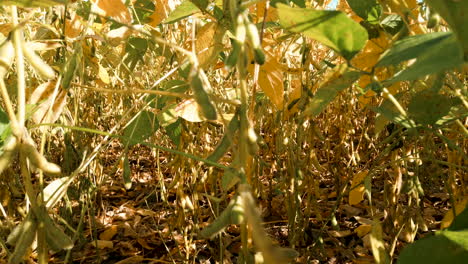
(434, 20)
(70, 68)
(259, 56)
(237, 213)
(226, 142)
(219, 223)
(200, 86)
(231, 60)
(24, 241)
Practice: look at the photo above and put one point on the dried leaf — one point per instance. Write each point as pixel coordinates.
(161, 11)
(209, 43)
(74, 26)
(42, 95)
(189, 110)
(103, 75)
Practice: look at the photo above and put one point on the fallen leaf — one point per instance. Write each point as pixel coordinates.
(356, 195)
(109, 233)
(143, 243)
(363, 230)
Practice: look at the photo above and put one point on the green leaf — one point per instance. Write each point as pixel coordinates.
(369, 10)
(332, 28)
(445, 55)
(5, 129)
(460, 222)
(455, 13)
(141, 128)
(444, 247)
(427, 107)
(329, 91)
(182, 11)
(143, 10)
(174, 131)
(201, 4)
(136, 49)
(392, 24)
(229, 179)
(411, 47)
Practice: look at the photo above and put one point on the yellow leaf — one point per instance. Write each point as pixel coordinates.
(367, 59)
(448, 218)
(363, 230)
(357, 188)
(114, 9)
(272, 14)
(109, 233)
(294, 95)
(161, 11)
(209, 43)
(270, 80)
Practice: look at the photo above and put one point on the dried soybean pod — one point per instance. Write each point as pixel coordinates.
(237, 213)
(226, 142)
(38, 160)
(24, 241)
(7, 54)
(200, 85)
(219, 223)
(9, 149)
(39, 66)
